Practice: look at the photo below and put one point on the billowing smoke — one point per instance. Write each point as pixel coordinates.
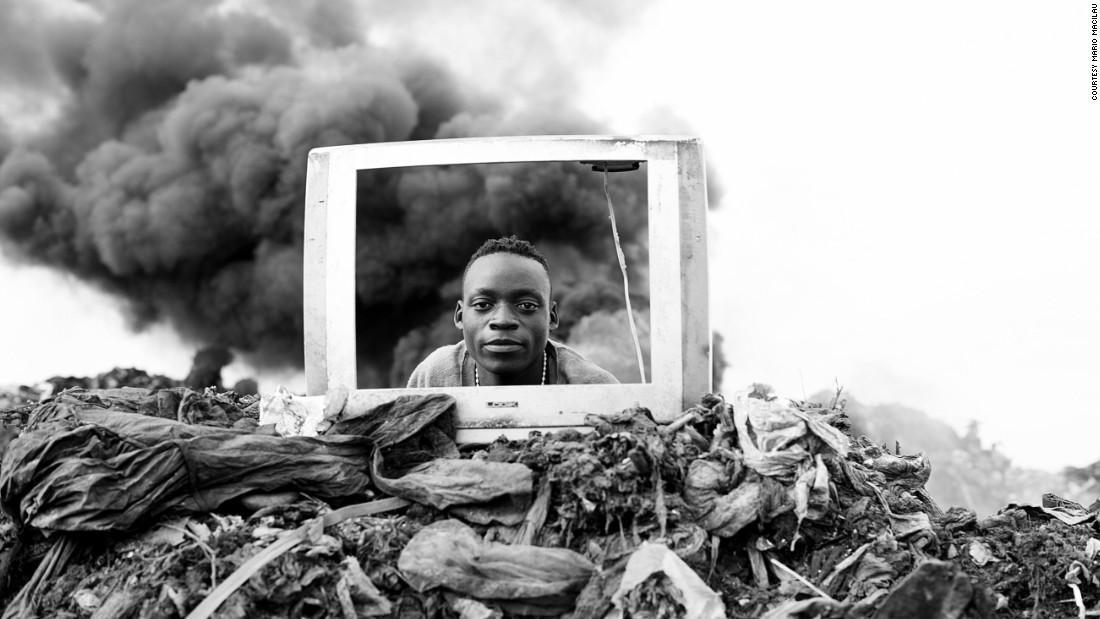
(173, 176)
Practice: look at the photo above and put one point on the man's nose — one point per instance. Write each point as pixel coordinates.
(503, 318)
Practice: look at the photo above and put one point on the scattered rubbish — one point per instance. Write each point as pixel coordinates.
(981, 553)
(452, 555)
(656, 577)
(212, 504)
(291, 415)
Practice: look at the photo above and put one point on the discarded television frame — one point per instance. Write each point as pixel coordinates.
(680, 337)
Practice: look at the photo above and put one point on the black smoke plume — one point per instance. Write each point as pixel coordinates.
(174, 177)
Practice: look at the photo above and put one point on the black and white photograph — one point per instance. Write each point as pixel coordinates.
(478, 309)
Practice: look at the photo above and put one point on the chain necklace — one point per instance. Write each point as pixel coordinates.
(477, 379)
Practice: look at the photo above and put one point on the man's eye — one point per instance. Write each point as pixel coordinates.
(481, 305)
(528, 306)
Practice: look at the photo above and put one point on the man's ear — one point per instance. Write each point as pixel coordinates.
(553, 315)
(458, 315)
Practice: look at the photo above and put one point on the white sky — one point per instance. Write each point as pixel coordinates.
(910, 205)
(911, 202)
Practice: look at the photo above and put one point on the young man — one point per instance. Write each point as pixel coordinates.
(506, 316)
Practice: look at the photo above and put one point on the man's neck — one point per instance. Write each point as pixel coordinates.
(535, 374)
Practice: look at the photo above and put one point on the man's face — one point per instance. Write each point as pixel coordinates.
(506, 316)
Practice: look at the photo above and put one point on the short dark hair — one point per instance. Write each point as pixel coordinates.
(508, 245)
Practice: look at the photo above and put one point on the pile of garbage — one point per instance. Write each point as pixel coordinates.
(113, 379)
(968, 471)
(171, 502)
(205, 373)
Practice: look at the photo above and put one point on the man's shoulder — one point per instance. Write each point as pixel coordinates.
(441, 368)
(578, 370)
(450, 352)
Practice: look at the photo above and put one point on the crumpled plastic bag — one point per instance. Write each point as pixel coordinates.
(904, 525)
(811, 489)
(92, 469)
(103, 460)
(429, 416)
(417, 459)
(1069, 512)
(89, 463)
(722, 514)
(781, 436)
(450, 554)
(783, 450)
(697, 599)
(291, 415)
(910, 472)
(478, 490)
(1053, 506)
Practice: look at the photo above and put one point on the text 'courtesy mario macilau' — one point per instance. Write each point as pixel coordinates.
(1094, 58)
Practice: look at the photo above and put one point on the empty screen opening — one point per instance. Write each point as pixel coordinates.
(418, 226)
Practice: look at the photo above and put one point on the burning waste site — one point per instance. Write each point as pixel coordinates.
(173, 177)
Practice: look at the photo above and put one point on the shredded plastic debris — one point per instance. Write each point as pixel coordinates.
(747, 507)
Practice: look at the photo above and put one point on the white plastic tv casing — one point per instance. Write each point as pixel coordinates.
(680, 336)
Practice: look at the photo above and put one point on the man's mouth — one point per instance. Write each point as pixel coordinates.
(502, 346)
